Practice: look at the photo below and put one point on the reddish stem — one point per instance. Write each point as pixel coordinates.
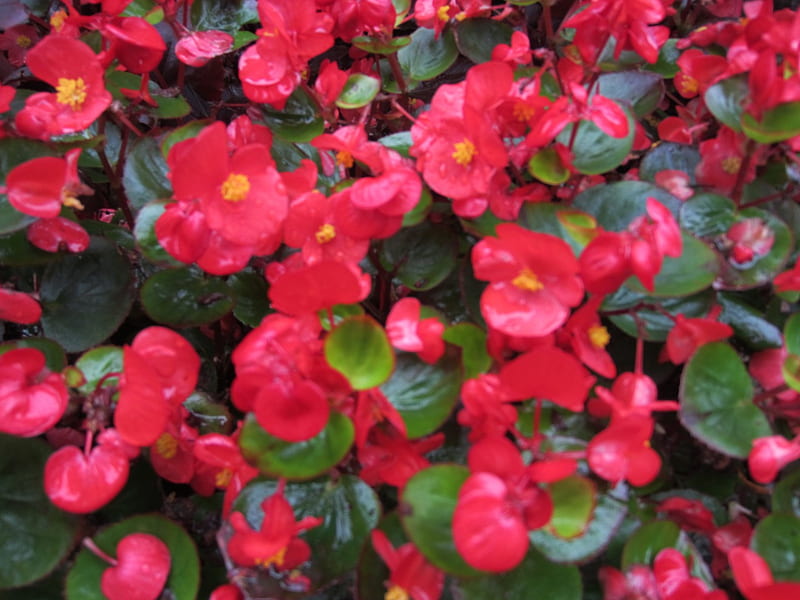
(89, 543)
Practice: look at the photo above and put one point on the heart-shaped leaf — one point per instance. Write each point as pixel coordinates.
(359, 90)
(476, 38)
(642, 90)
(421, 256)
(428, 55)
(145, 175)
(777, 124)
(96, 364)
(143, 563)
(573, 501)
(360, 350)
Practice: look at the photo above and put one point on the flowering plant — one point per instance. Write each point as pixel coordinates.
(414, 300)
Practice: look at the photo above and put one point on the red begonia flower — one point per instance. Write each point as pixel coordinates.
(136, 43)
(586, 336)
(141, 569)
(689, 334)
(171, 358)
(674, 581)
(57, 235)
(389, 457)
(691, 515)
(142, 410)
(623, 452)
(769, 455)
(17, 41)
(631, 394)
(410, 575)
(199, 47)
(294, 411)
(754, 577)
(408, 332)
(318, 286)
(752, 239)
(226, 592)
(32, 399)
(19, 307)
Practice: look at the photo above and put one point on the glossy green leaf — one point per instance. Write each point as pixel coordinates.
(726, 98)
(17, 251)
(647, 541)
(184, 132)
(546, 166)
(707, 215)
(657, 325)
(147, 9)
(298, 121)
(207, 415)
(668, 156)
(372, 572)
(250, 291)
(791, 371)
(35, 536)
(786, 494)
(302, 460)
(476, 38)
(350, 509)
(145, 175)
(96, 364)
(615, 205)
(557, 220)
(340, 313)
(145, 235)
(642, 90)
(595, 151)
(54, 356)
(776, 539)
(399, 142)
(716, 399)
(606, 518)
(227, 17)
(375, 45)
(83, 580)
(13, 152)
(85, 297)
(431, 496)
(749, 324)
(791, 333)
(472, 341)
(185, 298)
(359, 349)
(667, 63)
(777, 124)
(535, 578)
(428, 55)
(359, 90)
(420, 212)
(171, 108)
(423, 394)
(573, 502)
(421, 256)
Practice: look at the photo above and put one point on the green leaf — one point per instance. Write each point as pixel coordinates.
(776, 125)
(726, 98)
(207, 415)
(359, 90)
(573, 502)
(359, 349)
(35, 536)
(786, 495)
(420, 212)
(535, 578)
(476, 38)
(750, 325)
(716, 399)
(250, 291)
(615, 205)
(657, 325)
(430, 497)
(85, 297)
(13, 152)
(776, 539)
(340, 313)
(147, 9)
(228, 17)
(791, 333)
(350, 509)
(83, 580)
(185, 298)
(145, 175)
(640, 89)
(184, 132)
(708, 215)
(546, 166)
(54, 356)
(421, 256)
(98, 362)
(667, 63)
(301, 460)
(17, 251)
(171, 108)
(399, 142)
(428, 56)
(145, 234)
(595, 151)
(606, 518)
(372, 572)
(556, 219)
(423, 394)
(298, 121)
(647, 541)
(472, 341)
(672, 157)
(375, 45)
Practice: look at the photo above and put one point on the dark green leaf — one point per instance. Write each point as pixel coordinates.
(476, 38)
(399, 142)
(667, 63)
(672, 157)
(472, 341)
(184, 132)
(420, 212)
(656, 324)
(595, 151)
(375, 45)
(428, 55)
(185, 298)
(717, 401)
(359, 90)
(421, 256)
(171, 108)
(298, 121)
(707, 215)
(359, 349)
(17, 251)
(777, 124)
(208, 416)
(35, 536)
(85, 297)
(642, 90)
(96, 364)
(250, 291)
(615, 205)
(777, 540)
(726, 98)
(301, 460)
(786, 495)
(227, 17)
(749, 324)
(83, 581)
(54, 356)
(650, 539)
(145, 235)
(145, 175)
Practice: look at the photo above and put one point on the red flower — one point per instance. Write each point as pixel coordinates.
(689, 334)
(585, 335)
(751, 238)
(32, 399)
(74, 70)
(754, 577)
(389, 457)
(321, 285)
(58, 235)
(198, 47)
(408, 332)
(140, 571)
(623, 452)
(410, 575)
(18, 307)
(631, 394)
(533, 281)
(17, 41)
(769, 455)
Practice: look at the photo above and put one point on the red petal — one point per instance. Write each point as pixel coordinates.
(55, 235)
(143, 564)
(81, 484)
(18, 307)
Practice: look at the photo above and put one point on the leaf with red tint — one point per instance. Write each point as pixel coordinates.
(318, 286)
(57, 234)
(81, 484)
(143, 564)
(18, 307)
(488, 531)
(199, 47)
(550, 374)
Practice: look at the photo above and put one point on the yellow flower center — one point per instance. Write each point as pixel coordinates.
(443, 13)
(464, 152)
(325, 233)
(523, 112)
(235, 187)
(690, 85)
(223, 478)
(598, 336)
(276, 559)
(167, 446)
(68, 199)
(57, 20)
(71, 92)
(731, 165)
(23, 41)
(396, 593)
(461, 16)
(344, 158)
(528, 281)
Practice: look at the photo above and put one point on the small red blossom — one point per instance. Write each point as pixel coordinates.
(140, 571)
(754, 577)
(586, 336)
(623, 452)
(390, 457)
(688, 335)
(321, 285)
(19, 307)
(408, 332)
(17, 41)
(631, 394)
(58, 235)
(771, 454)
(751, 238)
(198, 47)
(410, 575)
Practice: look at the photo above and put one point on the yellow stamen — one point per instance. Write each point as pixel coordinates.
(276, 559)
(528, 281)
(523, 112)
(223, 478)
(235, 188)
(599, 336)
(461, 16)
(344, 158)
(57, 20)
(325, 233)
(464, 152)
(167, 446)
(23, 41)
(443, 13)
(71, 92)
(731, 164)
(69, 199)
(396, 593)
(690, 85)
